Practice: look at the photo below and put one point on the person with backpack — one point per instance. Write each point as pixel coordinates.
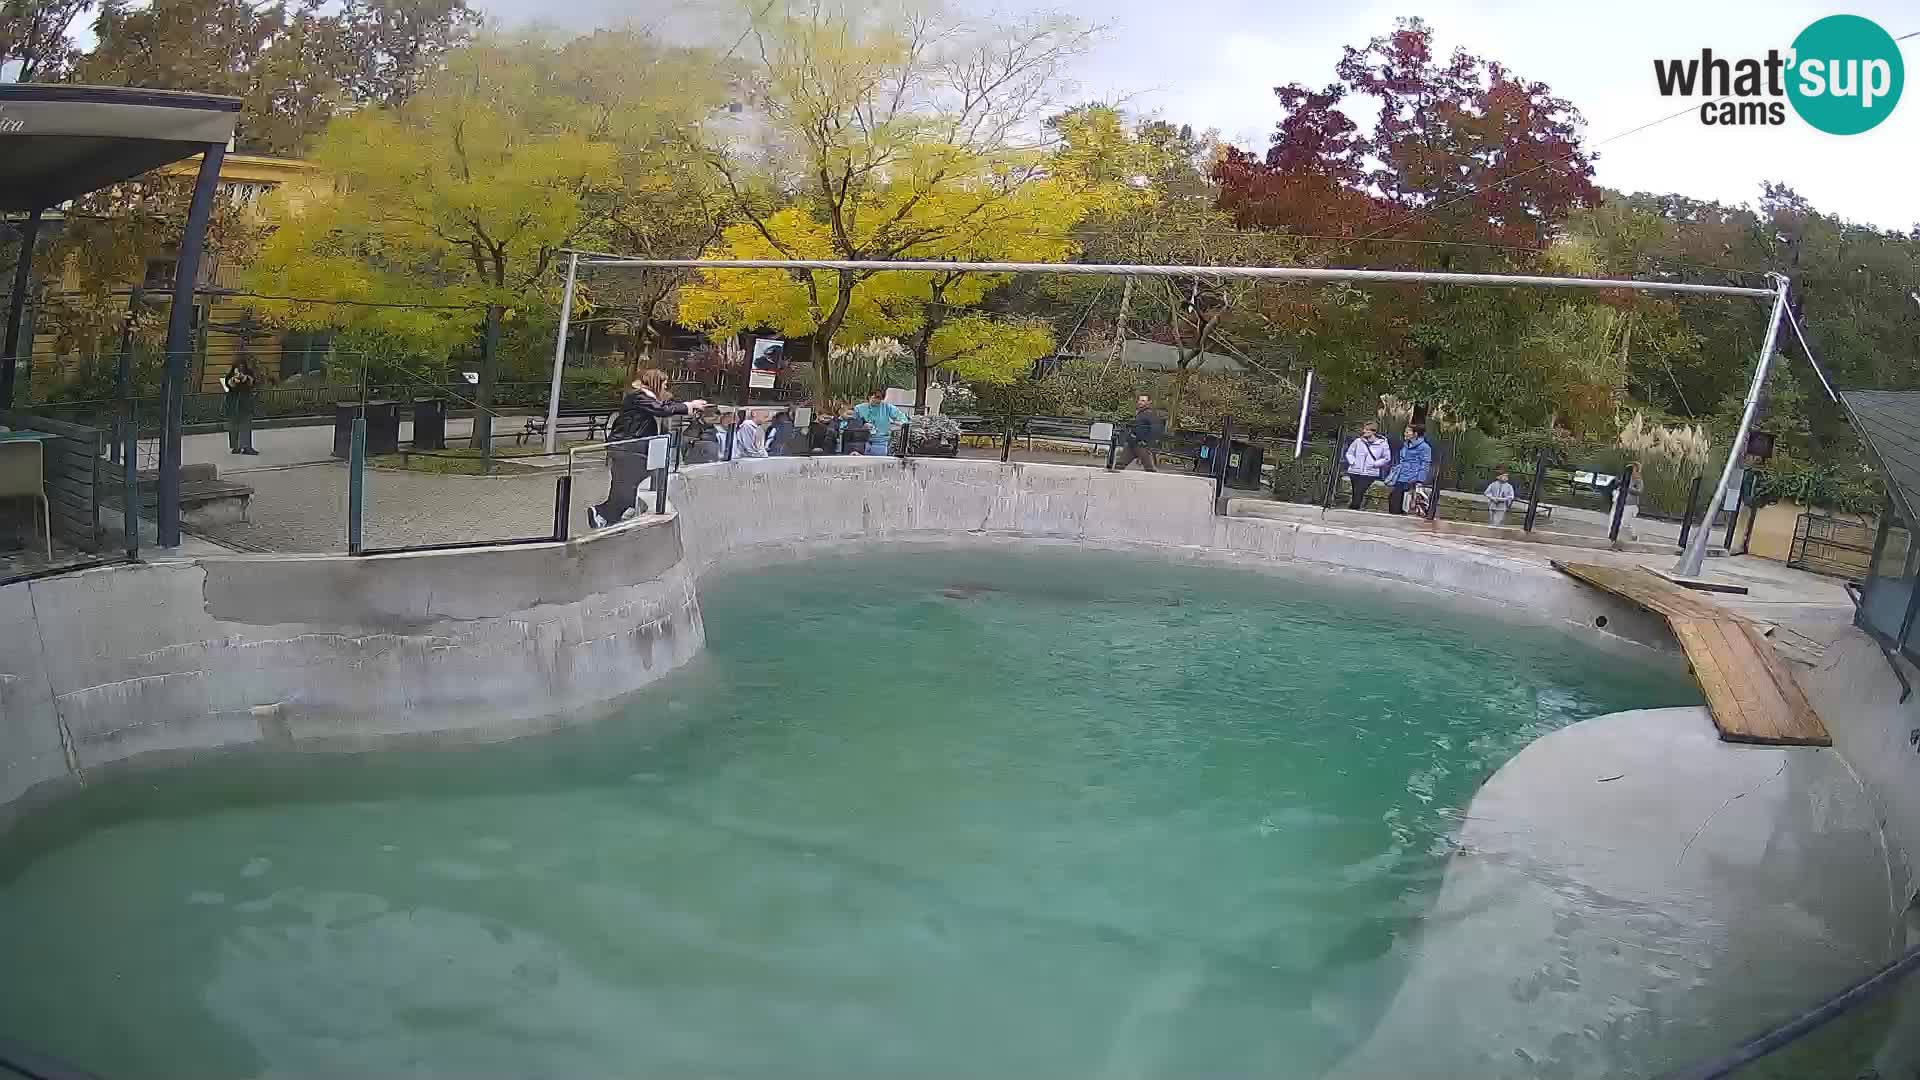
(642, 409)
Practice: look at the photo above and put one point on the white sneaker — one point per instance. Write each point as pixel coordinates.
(594, 520)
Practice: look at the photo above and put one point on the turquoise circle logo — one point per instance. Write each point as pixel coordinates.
(1847, 74)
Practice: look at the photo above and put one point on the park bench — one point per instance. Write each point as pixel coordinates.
(591, 421)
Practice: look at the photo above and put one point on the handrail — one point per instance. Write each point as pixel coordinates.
(1858, 596)
(1834, 1007)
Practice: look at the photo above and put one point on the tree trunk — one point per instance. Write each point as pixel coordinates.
(1178, 390)
(1120, 323)
(823, 338)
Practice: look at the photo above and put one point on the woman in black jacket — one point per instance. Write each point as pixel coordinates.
(641, 411)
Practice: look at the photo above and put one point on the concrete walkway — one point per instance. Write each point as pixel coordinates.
(300, 495)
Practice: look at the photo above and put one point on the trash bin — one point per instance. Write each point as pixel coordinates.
(1243, 462)
(1243, 465)
(429, 423)
(383, 427)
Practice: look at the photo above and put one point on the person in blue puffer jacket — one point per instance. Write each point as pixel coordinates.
(1416, 459)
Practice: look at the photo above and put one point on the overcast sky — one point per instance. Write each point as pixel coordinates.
(1214, 64)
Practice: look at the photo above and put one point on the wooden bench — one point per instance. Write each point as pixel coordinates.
(590, 421)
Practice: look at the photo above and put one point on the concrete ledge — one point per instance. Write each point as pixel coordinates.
(174, 658)
(784, 507)
(1629, 894)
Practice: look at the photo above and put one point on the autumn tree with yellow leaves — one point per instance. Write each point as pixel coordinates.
(890, 134)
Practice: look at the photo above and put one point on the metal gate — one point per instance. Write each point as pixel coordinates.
(1837, 547)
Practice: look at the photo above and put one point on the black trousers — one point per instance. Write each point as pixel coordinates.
(1397, 502)
(629, 465)
(239, 422)
(1361, 485)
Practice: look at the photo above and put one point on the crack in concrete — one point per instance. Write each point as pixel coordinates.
(1731, 799)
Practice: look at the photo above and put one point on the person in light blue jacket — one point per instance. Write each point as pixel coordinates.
(880, 418)
(1416, 458)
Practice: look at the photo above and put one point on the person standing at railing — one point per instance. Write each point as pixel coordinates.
(242, 382)
(1368, 458)
(752, 436)
(642, 409)
(1416, 458)
(879, 417)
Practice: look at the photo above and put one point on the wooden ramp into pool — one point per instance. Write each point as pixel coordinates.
(1749, 688)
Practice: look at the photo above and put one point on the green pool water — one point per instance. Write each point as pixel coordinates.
(916, 812)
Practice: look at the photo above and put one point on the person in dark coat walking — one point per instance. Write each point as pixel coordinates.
(642, 409)
(1142, 436)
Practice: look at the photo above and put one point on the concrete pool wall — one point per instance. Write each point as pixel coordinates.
(173, 658)
(774, 510)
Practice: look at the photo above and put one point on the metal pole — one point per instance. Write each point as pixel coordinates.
(1739, 500)
(1696, 553)
(1620, 502)
(1433, 503)
(660, 477)
(1006, 444)
(123, 380)
(560, 354)
(1686, 523)
(130, 478)
(17, 308)
(1221, 454)
(356, 483)
(1533, 493)
(483, 401)
(1333, 470)
(1113, 444)
(562, 504)
(1753, 515)
(173, 393)
(1300, 434)
(1273, 273)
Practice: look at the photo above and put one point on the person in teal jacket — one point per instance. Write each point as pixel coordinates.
(1416, 458)
(880, 418)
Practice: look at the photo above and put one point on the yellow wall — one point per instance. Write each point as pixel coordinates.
(249, 177)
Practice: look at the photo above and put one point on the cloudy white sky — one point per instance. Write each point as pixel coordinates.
(1214, 63)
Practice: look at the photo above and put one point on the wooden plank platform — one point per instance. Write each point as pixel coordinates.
(1750, 690)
